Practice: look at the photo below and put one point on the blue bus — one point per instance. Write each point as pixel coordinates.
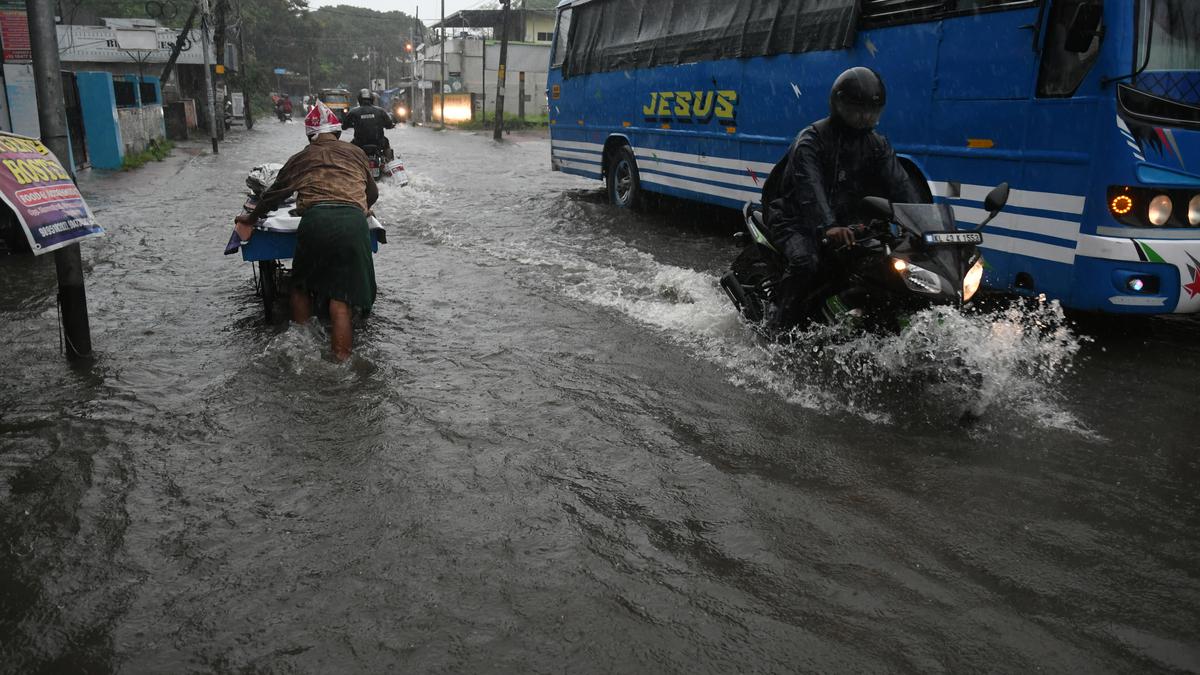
(1090, 109)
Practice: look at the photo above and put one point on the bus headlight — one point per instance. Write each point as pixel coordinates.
(1194, 211)
(1160, 210)
(972, 280)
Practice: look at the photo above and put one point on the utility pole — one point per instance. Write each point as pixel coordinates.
(498, 133)
(68, 262)
(483, 79)
(205, 20)
(442, 83)
(243, 79)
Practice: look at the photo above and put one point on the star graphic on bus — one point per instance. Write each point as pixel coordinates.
(1193, 288)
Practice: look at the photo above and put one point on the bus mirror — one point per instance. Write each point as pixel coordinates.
(1084, 28)
(996, 199)
(878, 208)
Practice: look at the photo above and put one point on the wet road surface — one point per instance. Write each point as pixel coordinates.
(557, 450)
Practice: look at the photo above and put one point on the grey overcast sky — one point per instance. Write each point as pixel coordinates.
(430, 9)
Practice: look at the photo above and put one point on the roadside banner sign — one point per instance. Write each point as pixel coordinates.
(34, 184)
(281, 71)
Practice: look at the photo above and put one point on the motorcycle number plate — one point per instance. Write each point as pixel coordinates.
(942, 238)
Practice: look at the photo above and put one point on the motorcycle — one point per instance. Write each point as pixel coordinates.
(908, 258)
(383, 164)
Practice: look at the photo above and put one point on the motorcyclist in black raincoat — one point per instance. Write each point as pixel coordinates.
(813, 194)
(369, 121)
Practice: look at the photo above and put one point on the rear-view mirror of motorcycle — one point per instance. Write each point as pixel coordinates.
(993, 203)
(878, 208)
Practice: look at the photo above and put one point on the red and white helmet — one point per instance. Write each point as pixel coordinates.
(321, 120)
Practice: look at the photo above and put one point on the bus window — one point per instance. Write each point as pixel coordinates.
(894, 11)
(877, 12)
(980, 5)
(1062, 70)
(560, 38)
(613, 35)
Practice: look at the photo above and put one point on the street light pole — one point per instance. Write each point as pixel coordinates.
(68, 262)
(205, 20)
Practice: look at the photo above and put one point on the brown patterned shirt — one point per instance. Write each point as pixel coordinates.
(328, 170)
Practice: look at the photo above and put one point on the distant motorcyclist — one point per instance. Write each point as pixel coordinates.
(283, 108)
(812, 195)
(369, 122)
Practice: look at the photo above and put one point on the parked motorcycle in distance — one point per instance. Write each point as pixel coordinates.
(910, 257)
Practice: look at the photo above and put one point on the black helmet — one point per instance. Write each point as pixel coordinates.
(857, 99)
(365, 97)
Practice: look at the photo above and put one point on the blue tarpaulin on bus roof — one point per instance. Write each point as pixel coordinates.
(611, 35)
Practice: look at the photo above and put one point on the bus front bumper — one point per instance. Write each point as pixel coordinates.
(1137, 275)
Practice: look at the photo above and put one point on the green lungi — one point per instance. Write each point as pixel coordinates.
(333, 256)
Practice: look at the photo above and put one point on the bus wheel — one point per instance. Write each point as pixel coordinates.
(624, 186)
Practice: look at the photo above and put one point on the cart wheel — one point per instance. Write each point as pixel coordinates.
(268, 286)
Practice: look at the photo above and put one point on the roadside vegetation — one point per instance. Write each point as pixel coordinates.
(157, 151)
(511, 122)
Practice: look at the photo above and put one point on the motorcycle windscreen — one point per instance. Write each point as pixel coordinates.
(950, 260)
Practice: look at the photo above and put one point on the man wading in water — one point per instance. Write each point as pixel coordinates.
(334, 191)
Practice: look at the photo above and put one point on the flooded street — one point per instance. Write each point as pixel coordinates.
(556, 449)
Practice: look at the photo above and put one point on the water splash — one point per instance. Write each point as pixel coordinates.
(945, 367)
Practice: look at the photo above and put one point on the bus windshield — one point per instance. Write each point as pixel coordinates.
(1171, 31)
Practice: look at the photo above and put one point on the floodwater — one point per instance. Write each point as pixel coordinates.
(557, 450)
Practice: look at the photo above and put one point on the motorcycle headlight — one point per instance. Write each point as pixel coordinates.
(401, 111)
(918, 278)
(972, 280)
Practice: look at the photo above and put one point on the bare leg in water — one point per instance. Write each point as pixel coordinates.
(301, 306)
(341, 334)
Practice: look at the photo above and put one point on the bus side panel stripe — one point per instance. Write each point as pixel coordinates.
(585, 156)
(592, 169)
(1059, 229)
(701, 188)
(707, 161)
(743, 180)
(1028, 199)
(577, 145)
(1025, 247)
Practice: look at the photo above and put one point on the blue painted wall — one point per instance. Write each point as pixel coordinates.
(103, 132)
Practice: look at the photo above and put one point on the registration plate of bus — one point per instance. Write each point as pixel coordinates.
(945, 238)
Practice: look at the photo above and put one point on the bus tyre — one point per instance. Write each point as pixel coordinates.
(624, 186)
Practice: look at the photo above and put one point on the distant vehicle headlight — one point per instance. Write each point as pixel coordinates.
(972, 280)
(401, 112)
(1194, 211)
(1160, 210)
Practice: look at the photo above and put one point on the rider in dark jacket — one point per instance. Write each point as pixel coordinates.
(813, 194)
(369, 122)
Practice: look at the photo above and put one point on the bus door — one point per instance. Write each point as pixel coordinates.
(1060, 147)
(986, 66)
